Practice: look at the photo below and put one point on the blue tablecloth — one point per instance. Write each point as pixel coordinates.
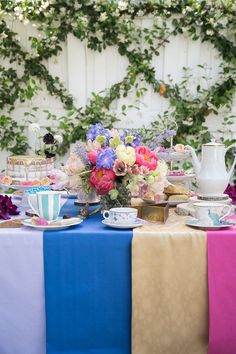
(88, 288)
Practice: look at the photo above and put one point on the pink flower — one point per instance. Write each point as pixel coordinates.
(59, 179)
(143, 188)
(144, 170)
(140, 170)
(146, 157)
(102, 180)
(120, 168)
(73, 165)
(74, 183)
(92, 156)
(135, 169)
(161, 149)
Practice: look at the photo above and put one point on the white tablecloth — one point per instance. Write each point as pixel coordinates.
(22, 310)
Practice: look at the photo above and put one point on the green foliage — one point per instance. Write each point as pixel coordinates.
(115, 23)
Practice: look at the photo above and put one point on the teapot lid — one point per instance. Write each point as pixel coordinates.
(213, 143)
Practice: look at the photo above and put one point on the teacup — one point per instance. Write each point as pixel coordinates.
(46, 204)
(210, 213)
(120, 215)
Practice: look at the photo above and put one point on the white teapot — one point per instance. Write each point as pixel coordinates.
(212, 176)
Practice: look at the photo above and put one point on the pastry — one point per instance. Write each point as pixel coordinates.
(176, 189)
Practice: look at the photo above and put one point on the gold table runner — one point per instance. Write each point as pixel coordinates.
(169, 289)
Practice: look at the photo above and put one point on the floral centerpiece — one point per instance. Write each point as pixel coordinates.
(115, 165)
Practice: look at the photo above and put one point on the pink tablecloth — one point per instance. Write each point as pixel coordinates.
(222, 291)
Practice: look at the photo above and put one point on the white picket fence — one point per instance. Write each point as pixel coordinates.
(84, 71)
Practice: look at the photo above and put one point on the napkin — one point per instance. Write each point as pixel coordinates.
(15, 223)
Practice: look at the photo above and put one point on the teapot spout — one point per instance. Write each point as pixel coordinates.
(232, 168)
(196, 162)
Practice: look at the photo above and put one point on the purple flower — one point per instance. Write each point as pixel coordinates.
(231, 191)
(160, 139)
(137, 141)
(80, 151)
(106, 158)
(137, 138)
(168, 133)
(7, 207)
(96, 130)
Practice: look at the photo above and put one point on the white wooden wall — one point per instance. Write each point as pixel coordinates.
(84, 71)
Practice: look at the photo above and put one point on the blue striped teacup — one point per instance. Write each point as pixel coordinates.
(46, 204)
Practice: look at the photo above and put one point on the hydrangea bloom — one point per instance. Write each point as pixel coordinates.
(136, 138)
(106, 158)
(97, 130)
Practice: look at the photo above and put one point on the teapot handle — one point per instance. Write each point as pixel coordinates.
(230, 147)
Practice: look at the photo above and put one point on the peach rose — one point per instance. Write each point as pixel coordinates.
(6, 180)
(179, 148)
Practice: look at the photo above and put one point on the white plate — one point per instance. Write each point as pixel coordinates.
(195, 223)
(195, 199)
(53, 226)
(174, 155)
(137, 223)
(181, 178)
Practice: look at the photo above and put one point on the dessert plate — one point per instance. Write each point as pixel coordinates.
(197, 224)
(59, 224)
(137, 223)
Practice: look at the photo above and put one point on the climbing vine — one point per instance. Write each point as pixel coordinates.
(114, 23)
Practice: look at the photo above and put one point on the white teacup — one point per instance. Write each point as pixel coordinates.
(46, 204)
(210, 213)
(120, 215)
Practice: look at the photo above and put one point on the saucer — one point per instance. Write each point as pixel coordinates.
(131, 225)
(59, 224)
(213, 197)
(226, 200)
(197, 224)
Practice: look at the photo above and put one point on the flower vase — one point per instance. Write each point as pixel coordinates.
(90, 198)
(123, 199)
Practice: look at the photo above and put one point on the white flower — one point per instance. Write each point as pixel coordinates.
(140, 13)
(58, 138)
(122, 5)
(103, 17)
(209, 32)
(34, 128)
(45, 5)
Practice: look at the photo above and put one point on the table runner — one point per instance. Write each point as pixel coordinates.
(169, 290)
(88, 288)
(222, 291)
